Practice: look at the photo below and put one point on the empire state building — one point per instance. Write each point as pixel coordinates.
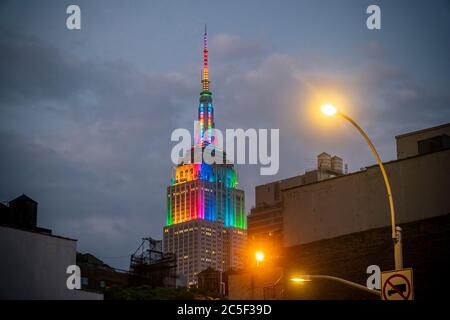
(205, 220)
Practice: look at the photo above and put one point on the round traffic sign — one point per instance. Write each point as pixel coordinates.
(397, 284)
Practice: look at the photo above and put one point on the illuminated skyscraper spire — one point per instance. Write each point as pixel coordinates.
(205, 209)
(205, 81)
(205, 109)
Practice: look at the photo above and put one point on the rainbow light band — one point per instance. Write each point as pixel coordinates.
(208, 184)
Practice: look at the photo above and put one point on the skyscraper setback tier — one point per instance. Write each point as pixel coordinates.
(205, 220)
(207, 192)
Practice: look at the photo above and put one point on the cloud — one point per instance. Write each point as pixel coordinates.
(87, 139)
(394, 97)
(373, 50)
(232, 47)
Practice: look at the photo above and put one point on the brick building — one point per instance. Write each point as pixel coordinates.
(340, 226)
(265, 222)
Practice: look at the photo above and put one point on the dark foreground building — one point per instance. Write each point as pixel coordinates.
(34, 260)
(152, 267)
(340, 226)
(97, 275)
(149, 267)
(212, 280)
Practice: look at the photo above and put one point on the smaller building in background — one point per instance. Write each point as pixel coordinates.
(423, 141)
(212, 280)
(150, 266)
(98, 276)
(265, 222)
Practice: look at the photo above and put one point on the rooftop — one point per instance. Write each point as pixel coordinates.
(423, 130)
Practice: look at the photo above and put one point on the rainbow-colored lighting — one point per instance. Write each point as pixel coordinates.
(204, 191)
(205, 109)
(201, 190)
(205, 80)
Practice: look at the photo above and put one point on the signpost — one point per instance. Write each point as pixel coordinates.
(397, 285)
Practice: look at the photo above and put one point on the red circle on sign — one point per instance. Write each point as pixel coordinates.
(400, 276)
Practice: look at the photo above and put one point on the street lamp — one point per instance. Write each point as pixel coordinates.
(330, 110)
(259, 256)
(306, 278)
(300, 279)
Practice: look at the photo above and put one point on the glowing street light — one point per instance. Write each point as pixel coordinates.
(299, 280)
(330, 110)
(306, 278)
(259, 256)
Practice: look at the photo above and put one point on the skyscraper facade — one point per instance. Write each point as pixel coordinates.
(205, 220)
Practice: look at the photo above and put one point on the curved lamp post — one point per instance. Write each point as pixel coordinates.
(330, 110)
(306, 278)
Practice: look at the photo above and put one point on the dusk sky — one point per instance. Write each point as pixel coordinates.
(86, 115)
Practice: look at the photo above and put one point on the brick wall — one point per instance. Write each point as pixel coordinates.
(426, 246)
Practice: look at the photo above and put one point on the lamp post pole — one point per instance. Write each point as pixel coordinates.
(304, 278)
(396, 231)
